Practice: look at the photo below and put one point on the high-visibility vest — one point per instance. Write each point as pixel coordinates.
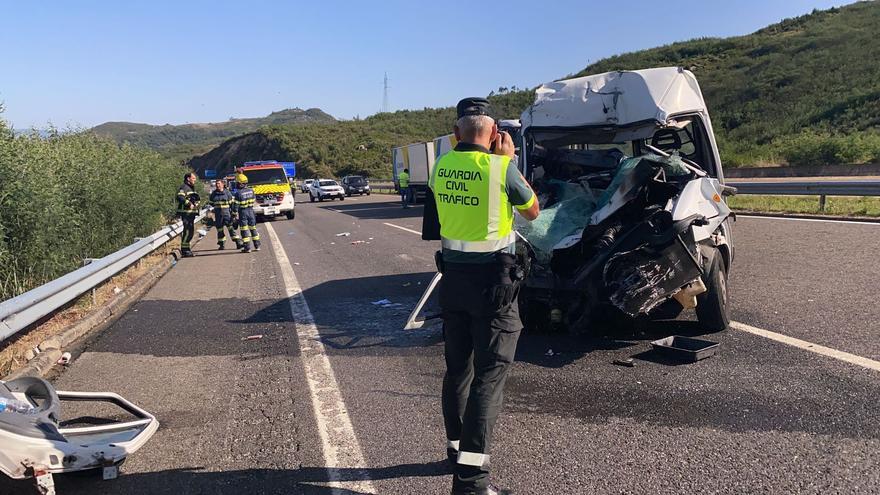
(403, 178)
(475, 214)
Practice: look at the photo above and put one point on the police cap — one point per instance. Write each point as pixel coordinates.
(472, 106)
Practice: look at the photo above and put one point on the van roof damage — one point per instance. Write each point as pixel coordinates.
(626, 104)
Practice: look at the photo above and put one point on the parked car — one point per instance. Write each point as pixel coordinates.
(306, 184)
(355, 184)
(322, 189)
(634, 219)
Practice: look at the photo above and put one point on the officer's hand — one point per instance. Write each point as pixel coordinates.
(503, 144)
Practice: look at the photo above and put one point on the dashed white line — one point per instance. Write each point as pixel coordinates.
(339, 442)
(402, 228)
(364, 209)
(795, 219)
(809, 346)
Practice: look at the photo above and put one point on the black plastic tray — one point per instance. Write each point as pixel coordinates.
(686, 349)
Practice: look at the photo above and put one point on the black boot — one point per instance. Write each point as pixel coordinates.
(489, 490)
(256, 246)
(186, 253)
(221, 246)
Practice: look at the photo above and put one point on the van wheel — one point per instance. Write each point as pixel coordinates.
(342, 198)
(320, 199)
(311, 198)
(712, 305)
(291, 214)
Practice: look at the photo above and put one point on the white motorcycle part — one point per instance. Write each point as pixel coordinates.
(33, 446)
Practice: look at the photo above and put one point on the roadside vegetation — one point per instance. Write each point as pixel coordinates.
(834, 205)
(71, 196)
(802, 91)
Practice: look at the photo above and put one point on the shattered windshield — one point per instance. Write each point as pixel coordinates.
(567, 205)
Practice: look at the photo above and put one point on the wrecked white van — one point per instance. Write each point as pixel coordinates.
(633, 217)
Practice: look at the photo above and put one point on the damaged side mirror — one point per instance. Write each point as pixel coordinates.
(728, 190)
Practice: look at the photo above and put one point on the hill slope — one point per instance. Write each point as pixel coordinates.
(816, 73)
(353, 146)
(805, 90)
(180, 139)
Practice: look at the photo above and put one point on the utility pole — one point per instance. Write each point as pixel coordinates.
(386, 107)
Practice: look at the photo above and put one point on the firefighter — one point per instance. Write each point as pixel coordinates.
(475, 193)
(187, 209)
(222, 201)
(244, 206)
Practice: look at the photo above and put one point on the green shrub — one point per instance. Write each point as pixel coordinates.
(71, 196)
(814, 148)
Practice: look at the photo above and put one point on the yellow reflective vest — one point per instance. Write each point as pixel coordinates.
(470, 190)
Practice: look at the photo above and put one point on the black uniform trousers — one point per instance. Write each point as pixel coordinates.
(481, 326)
(189, 229)
(222, 221)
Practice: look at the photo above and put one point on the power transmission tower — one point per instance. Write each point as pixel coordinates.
(386, 106)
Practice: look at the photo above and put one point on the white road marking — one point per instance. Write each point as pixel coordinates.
(795, 219)
(402, 228)
(809, 346)
(365, 209)
(342, 452)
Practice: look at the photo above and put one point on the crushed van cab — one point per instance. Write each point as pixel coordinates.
(634, 218)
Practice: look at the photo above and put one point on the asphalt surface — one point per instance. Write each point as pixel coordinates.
(760, 417)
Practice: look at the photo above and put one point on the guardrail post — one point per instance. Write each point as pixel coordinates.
(822, 203)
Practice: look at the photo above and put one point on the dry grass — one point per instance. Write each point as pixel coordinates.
(13, 350)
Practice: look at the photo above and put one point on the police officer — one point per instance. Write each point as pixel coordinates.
(476, 192)
(187, 209)
(403, 183)
(244, 205)
(222, 201)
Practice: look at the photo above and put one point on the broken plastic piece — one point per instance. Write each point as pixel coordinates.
(253, 337)
(65, 359)
(343, 234)
(381, 302)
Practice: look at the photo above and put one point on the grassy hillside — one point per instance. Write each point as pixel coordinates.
(803, 90)
(354, 146)
(184, 141)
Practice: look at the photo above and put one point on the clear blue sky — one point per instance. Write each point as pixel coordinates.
(86, 62)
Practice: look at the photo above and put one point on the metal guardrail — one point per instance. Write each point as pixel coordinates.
(814, 188)
(23, 310)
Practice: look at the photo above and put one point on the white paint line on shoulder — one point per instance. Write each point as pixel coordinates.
(342, 452)
(402, 228)
(795, 219)
(808, 346)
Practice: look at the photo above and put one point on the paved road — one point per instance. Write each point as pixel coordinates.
(238, 416)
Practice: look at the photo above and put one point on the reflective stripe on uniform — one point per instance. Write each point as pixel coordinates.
(496, 167)
(473, 459)
(453, 444)
(489, 246)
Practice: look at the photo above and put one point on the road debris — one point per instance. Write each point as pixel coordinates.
(549, 352)
(358, 242)
(65, 359)
(253, 337)
(343, 234)
(381, 302)
(628, 362)
(117, 290)
(295, 263)
(202, 232)
(407, 284)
